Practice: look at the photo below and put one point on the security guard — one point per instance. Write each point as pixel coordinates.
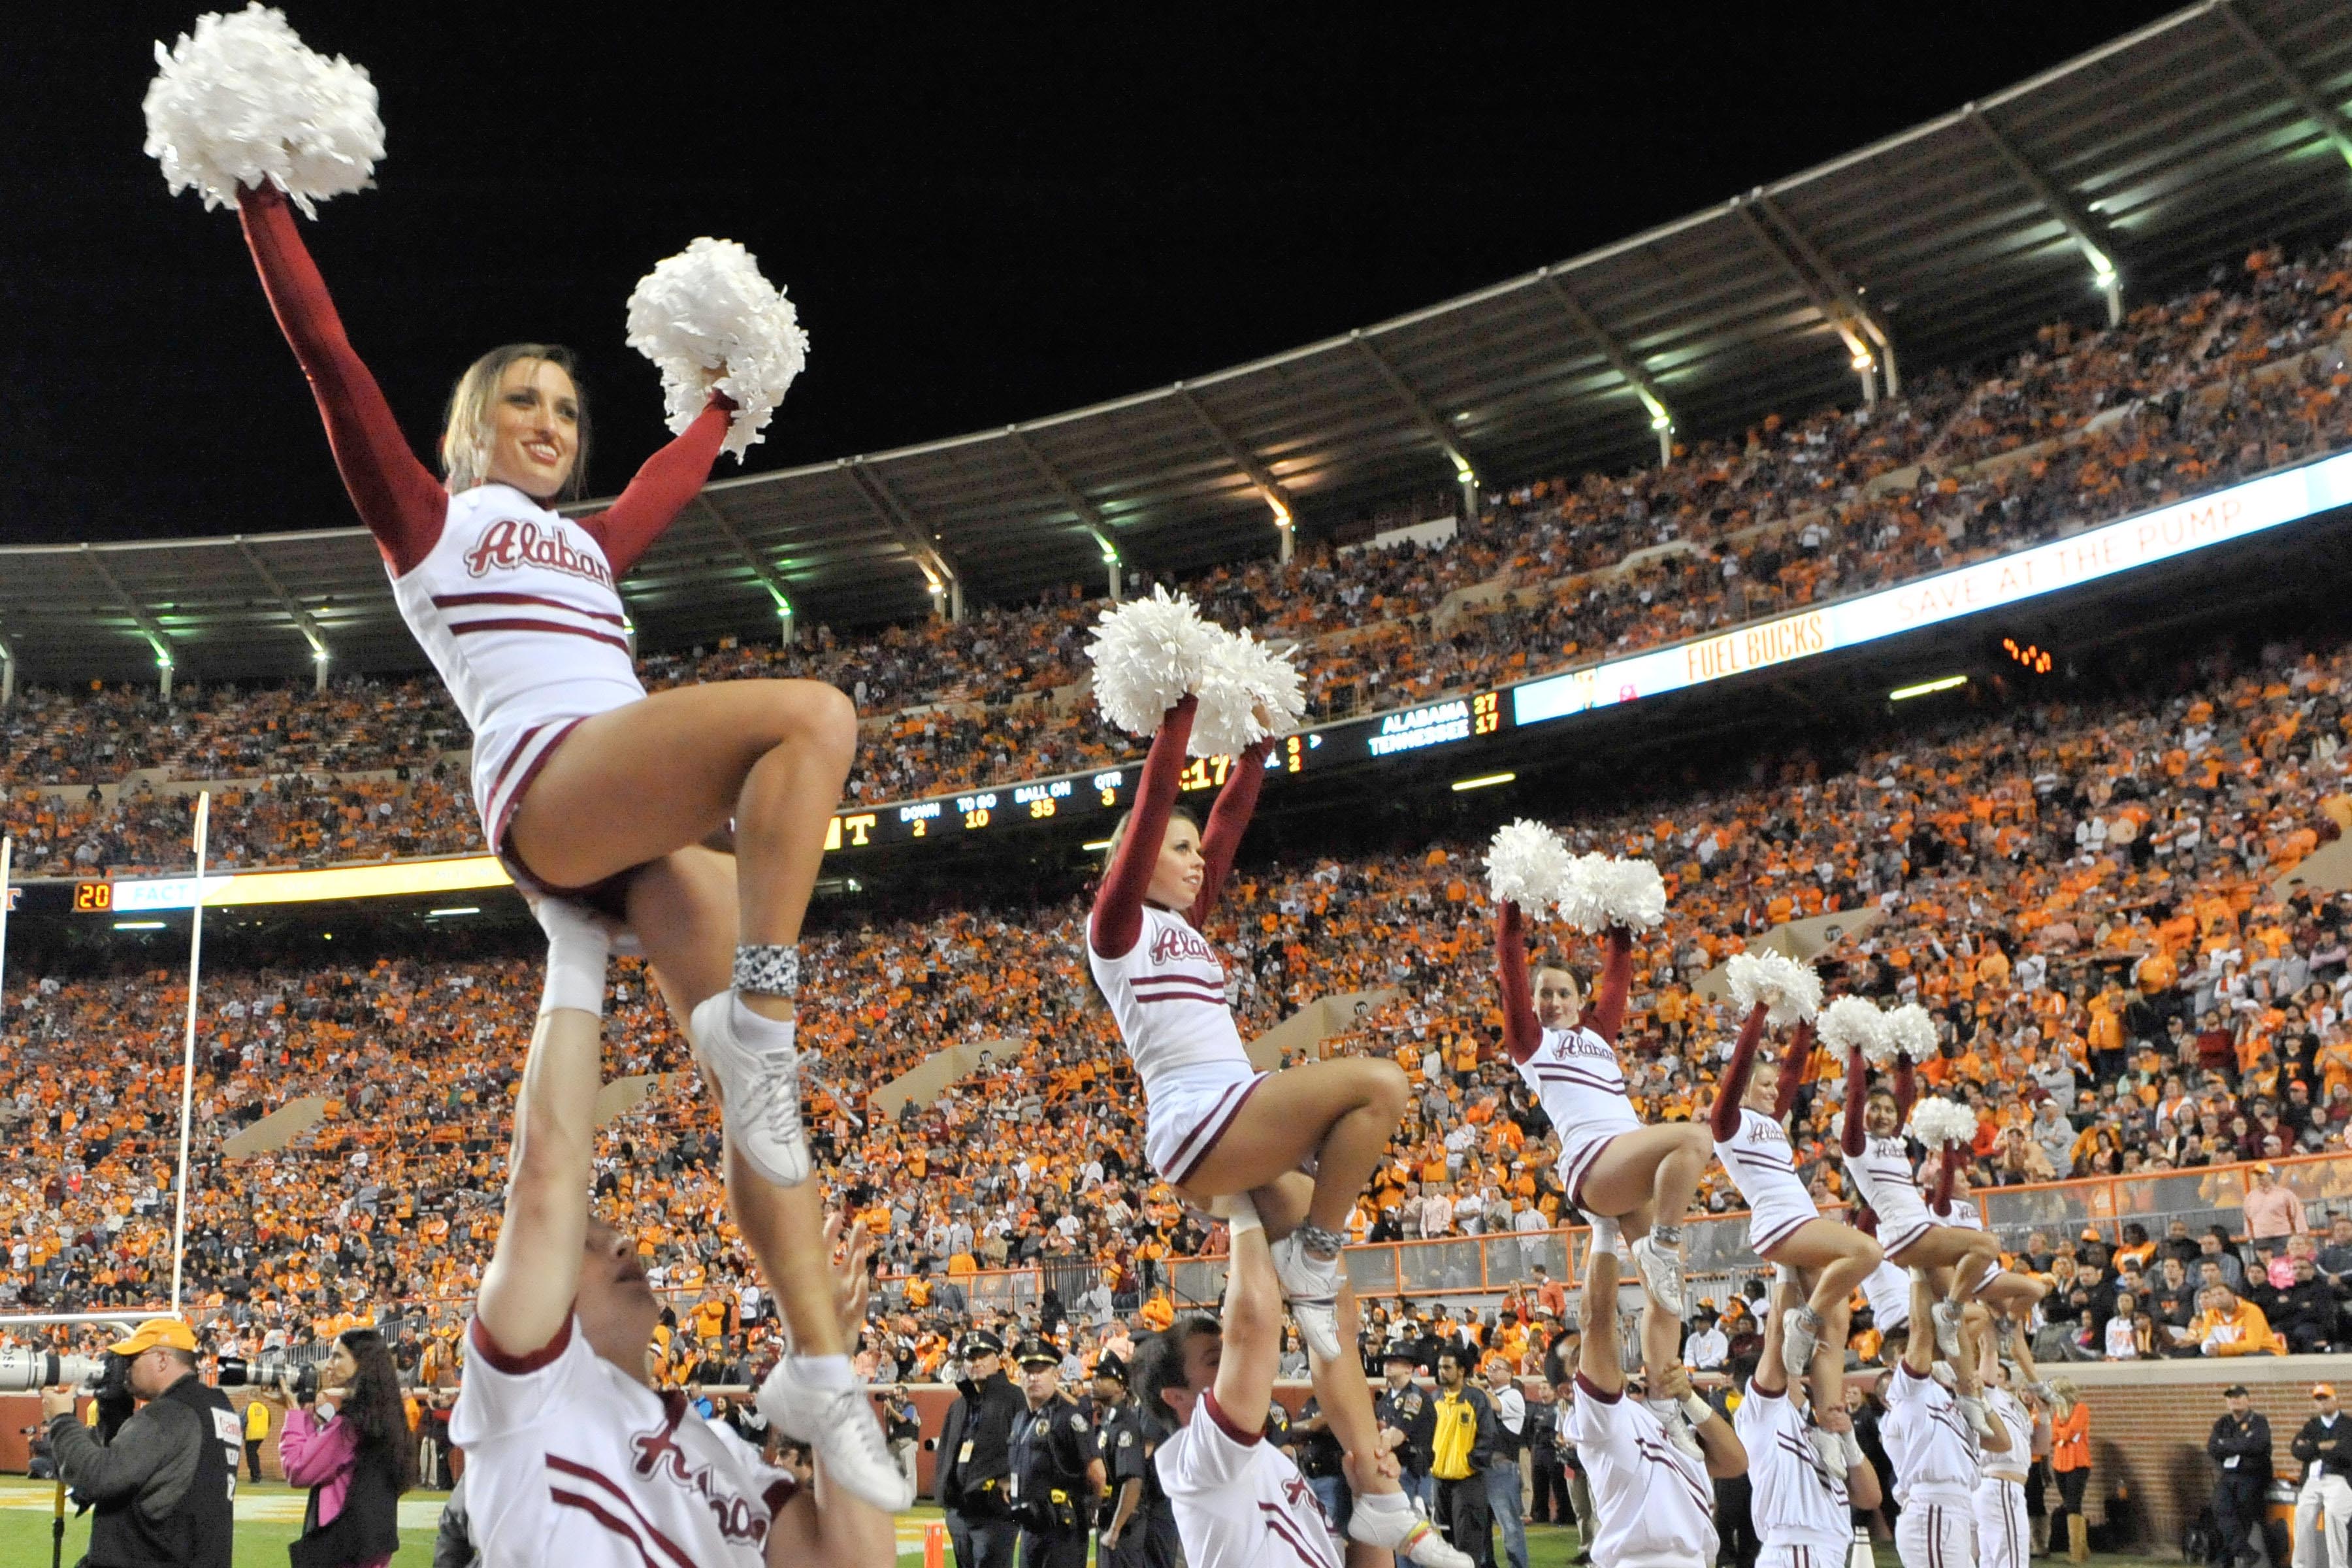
(1136, 1525)
(974, 1471)
(1402, 1405)
(1056, 1474)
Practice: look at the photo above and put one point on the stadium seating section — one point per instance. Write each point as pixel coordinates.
(2080, 891)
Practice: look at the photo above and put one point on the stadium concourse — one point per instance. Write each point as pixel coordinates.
(2216, 384)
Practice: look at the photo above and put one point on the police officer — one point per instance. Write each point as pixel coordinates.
(1119, 1444)
(1404, 1406)
(972, 1478)
(1055, 1473)
(163, 1485)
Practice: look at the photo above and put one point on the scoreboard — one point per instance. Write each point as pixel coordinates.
(1107, 791)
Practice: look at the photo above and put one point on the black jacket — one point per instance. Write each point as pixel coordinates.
(161, 1489)
(2247, 1442)
(2327, 1445)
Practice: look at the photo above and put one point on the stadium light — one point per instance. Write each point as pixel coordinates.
(139, 925)
(1905, 693)
(1097, 844)
(1484, 781)
(452, 913)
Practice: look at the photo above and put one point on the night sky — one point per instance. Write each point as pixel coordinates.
(984, 214)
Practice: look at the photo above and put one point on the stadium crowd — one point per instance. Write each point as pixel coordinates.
(2080, 893)
(2211, 385)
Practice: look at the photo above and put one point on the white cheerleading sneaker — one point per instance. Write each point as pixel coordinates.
(759, 1093)
(1948, 1329)
(1661, 1267)
(838, 1425)
(1800, 1336)
(1407, 1533)
(1311, 1285)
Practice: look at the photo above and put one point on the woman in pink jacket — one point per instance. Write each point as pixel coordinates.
(352, 1448)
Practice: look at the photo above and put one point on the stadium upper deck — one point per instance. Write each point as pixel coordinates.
(2215, 128)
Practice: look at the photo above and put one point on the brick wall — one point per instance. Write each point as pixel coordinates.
(2149, 1475)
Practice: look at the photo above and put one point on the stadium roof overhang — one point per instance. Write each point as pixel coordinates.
(2219, 127)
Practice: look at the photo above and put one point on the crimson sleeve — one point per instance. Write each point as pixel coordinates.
(397, 497)
(1521, 1031)
(1616, 982)
(1857, 1091)
(1792, 1073)
(1907, 1088)
(1723, 1121)
(1865, 1219)
(669, 480)
(1117, 919)
(1947, 1163)
(1228, 820)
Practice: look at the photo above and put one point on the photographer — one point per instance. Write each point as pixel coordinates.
(356, 1461)
(161, 1488)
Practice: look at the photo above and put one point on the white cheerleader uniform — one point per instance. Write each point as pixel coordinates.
(2002, 1537)
(1653, 1505)
(1962, 1214)
(1887, 1289)
(1935, 1456)
(1576, 1076)
(1883, 1176)
(1167, 993)
(1764, 1169)
(1802, 1517)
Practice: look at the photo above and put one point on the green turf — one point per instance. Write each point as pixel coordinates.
(25, 1537)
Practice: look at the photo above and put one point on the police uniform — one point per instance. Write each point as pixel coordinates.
(1413, 1412)
(974, 1472)
(1124, 1443)
(1051, 1446)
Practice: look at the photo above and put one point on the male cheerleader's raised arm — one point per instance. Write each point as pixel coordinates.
(1856, 1138)
(1228, 820)
(1522, 1032)
(397, 496)
(1793, 1071)
(526, 1300)
(1117, 919)
(669, 480)
(1723, 1121)
(1616, 985)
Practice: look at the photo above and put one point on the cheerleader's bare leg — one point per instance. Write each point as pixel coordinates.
(1340, 1112)
(1955, 1260)
(1834, 1259)
(1660, 1166)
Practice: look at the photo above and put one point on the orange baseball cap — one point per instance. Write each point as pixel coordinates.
(156, 1332)
(2323, 1391)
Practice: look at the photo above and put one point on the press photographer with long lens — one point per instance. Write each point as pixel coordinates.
(348, 1441)
(161, 1486)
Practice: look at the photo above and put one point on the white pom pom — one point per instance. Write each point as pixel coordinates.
(1605, 891)
(1240, 677)
(1837, 1127)
(243, 101)
(1936, 1121)
(1789, 990)
(1912, 1031)
(1851, 1024)
(710, 307)
(1526, 864)
(1149, 655)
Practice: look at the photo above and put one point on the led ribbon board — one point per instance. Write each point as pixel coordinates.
(2163, 534)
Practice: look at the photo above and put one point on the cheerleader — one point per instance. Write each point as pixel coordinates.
(1215, 1126)
(2004, 1537)
(1805, 1465)
(2001, 1288)
(1611, 1166)
(1650, 1458)
(1936, 1434)
(590, 790)
(1878, 1164)
(1748, 1121)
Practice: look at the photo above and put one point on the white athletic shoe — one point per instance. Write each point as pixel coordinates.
(1677, 1428)
(1311, 1285)
(1948, 1329)
(1407, 1533)
(1800, 1336)
(839, 1426)
(1661, 1268)
(759, 1093)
